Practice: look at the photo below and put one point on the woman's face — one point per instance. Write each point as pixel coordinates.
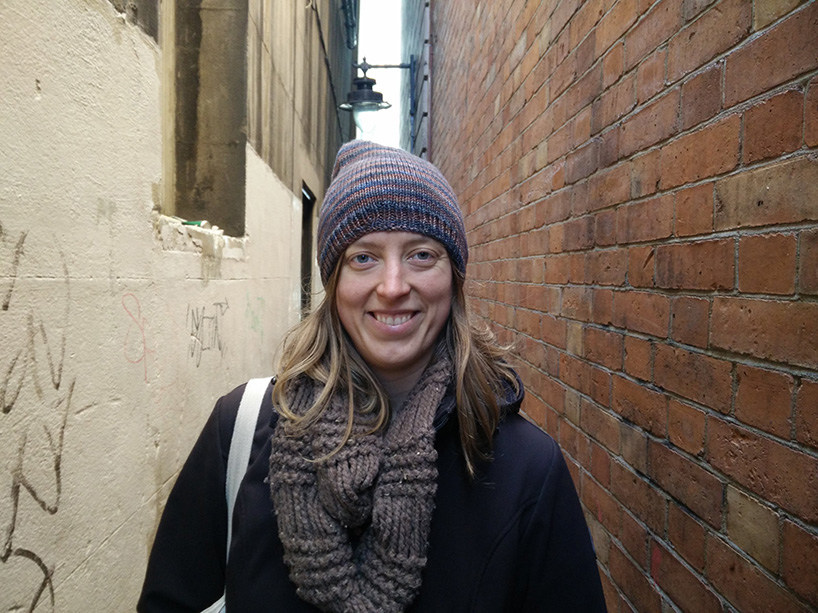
(393, 297)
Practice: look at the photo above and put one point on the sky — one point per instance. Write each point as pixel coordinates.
(379, 41)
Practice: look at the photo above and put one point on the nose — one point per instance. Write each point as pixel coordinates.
(394, 282)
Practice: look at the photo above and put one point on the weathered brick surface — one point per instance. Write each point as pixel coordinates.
(639, 180)
(686, 589)
(753, 527)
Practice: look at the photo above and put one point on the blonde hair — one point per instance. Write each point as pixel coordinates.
(319, 349)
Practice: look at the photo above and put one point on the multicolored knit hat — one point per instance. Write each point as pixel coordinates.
(375, 188)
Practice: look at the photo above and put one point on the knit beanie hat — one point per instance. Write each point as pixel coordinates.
(375, 188)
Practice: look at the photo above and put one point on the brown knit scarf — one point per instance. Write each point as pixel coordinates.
(379, 487)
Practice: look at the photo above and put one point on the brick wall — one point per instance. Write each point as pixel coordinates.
(640, 180)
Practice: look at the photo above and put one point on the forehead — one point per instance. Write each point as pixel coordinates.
(380, 240)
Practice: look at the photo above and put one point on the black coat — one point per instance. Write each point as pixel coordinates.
(514, 539)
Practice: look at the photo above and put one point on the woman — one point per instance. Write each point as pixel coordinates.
(390, 468)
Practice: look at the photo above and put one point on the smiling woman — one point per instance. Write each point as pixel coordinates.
(394, 297)
(390, 469)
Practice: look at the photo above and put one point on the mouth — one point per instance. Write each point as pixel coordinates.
(392, 320)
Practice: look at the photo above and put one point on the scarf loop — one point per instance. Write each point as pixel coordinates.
(380, 486)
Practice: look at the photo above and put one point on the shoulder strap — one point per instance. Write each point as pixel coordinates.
(240, 444)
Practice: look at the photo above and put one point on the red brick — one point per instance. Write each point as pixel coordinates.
(553, 208)
(650, 76)
(605, 228)
(766, 264)
(773, 127)
(642, 312)
(602, 306)
(764, 399)
(645, 221)
(779, 54)
(715, 32)
(602, 506)
(640, 405)
(646, 173)
(634, 443)
(777, 473)
(687, 482)
(638, 358)
(694, 210)
(708, 152)
(779, 331)
(613, 65)
(634, 538)
(633, 583)
(602, 426)
(704, 265)
(578, 234)
(639, 496)
(653, 124)
(582, 162)
(811, 115)
(609, 147)
(780, 193)
(800, 563)
(607, 267)
(768, 12)
(581, 127)
(614, 24)
(701, 96)
(753, 526)
(641, 265)
(687, 591)
(808, 266)
(654, 29)
(609, 187)
(686, 425)
(603, 347)
(743, 584)
(613, 104)
(687, 536)
(574, 443)
(806, 411)
(689, 320)
(556, 269)
(600, 457)
(576, 303)
(694, 376)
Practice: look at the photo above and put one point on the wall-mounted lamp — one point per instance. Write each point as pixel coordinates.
(364, 100)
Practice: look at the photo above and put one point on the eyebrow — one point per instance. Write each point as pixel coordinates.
(368, 243)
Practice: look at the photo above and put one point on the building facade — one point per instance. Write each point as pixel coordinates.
(640, 185)
(130, 131)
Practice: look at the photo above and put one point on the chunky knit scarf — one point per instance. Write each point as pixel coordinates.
(355, 525)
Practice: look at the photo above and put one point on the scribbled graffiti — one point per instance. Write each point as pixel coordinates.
(135, 346)
(253, 314)
(204, 326)
(35, 401)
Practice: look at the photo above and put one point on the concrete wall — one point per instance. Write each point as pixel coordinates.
(119, 328)
(640, 184)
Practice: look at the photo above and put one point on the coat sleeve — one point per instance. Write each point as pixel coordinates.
(560, 572)
(186, 567)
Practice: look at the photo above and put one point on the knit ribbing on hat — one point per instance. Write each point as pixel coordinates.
(381, 484)
(375, 188)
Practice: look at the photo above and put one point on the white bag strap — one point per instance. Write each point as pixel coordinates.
(238, 457)
(240, 444)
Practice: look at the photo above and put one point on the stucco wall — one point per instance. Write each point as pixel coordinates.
(118, 330)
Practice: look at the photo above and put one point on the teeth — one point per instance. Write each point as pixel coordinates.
(393, 321)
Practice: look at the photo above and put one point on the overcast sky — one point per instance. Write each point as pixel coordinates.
(379, 41)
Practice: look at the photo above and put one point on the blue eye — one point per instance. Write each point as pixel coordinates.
(361, 258)
(424, 255)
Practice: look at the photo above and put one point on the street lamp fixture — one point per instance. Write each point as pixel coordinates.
(363, 100)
